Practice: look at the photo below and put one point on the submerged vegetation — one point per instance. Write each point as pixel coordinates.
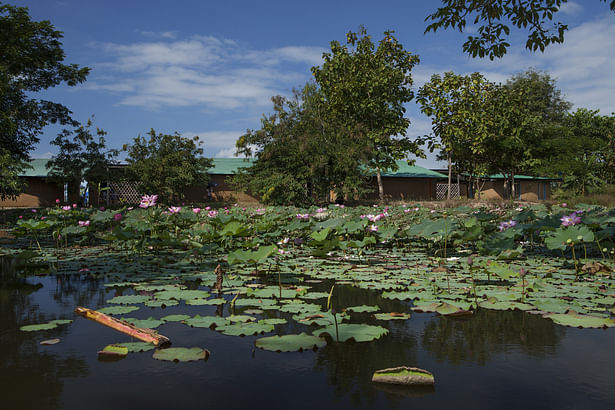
(282, 266)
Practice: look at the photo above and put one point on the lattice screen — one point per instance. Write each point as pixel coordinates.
(123, 192)
(442, 189)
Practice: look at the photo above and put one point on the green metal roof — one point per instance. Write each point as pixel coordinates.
(38, 169)
(411, 171)
(526, 177)
(227, 166)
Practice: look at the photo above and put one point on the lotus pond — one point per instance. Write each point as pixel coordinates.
(508, 308)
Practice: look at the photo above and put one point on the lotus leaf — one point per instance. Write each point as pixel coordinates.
(574, 319)
(299, 308)
(245, 328)
(114, 350)
(161, 303)
(44, 326)
(290, 343)
(129, 299)
(135, 347)
(174, 318)
(180, 294)
(118, 310)
(356, 332)
(392, 316)
(181, 354)
(241, 318)
(362, 309)
(206, 321)
(274, 321)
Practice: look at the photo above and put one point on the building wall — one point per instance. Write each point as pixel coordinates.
(38, 193)
(531, 190)
(223, 192)
(401, 189)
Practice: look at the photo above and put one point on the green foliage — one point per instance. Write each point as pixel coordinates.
(457, 107)
(302, 152)
(365, 88)
(31, 62)
(532, 15)
(82, 158)
(167, 164)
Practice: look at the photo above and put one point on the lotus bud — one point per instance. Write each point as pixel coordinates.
(470, 261)
(522, 273)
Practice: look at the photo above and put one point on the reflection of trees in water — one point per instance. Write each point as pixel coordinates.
(30, 377)
(349, 366)
(490, 332)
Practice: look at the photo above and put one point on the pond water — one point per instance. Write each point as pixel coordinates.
(497, 359)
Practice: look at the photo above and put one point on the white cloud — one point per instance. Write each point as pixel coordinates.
(571, 8)
(225, 153)
(203, 71)
(157, 34)
(216, 139)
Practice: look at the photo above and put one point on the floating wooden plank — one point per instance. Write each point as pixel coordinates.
(145, 335)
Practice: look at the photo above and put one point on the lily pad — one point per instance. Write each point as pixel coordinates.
(44, 326)
(392, 316)
(205, 321)
(134, 347)
(205, 302)
(50, 342)
(362, 309)
(118, 310)
(574, 319)
(129, 299)
(356, 332)
(161, 303)
(114, 350)
(181, 354)
(245, 328)
(290, 343)
(149, 323)
(174, 318)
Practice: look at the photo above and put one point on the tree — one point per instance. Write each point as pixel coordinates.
(533, 15)
(302, 154)
(366, 89)
(456, 105)
(527, 113)
(583, 155)
(81, 158)
(167, 164)
(31, 61)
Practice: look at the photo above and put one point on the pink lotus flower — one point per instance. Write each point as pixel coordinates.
(84, 223)
(212, 214)
(207, 208)
(57, 200)
(175, 209)
(373, 228)
(569, 220)
(148, 201)
(303, 217)
(506, 224)
(102, 208)
(34, 210)
(117, 217)
(20, 217)
(74, 205)
(66, 208)
(196, 210)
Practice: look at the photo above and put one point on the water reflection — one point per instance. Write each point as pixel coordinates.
(31, 376)
(490, 332)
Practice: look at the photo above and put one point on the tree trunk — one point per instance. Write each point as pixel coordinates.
(380, 188)
(450, 177)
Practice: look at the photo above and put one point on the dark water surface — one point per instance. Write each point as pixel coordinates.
(496, 360)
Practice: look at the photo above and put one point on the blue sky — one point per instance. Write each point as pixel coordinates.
(209, 68)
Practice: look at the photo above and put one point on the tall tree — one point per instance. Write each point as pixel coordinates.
(31, 60)
(456, 105)
(532, 15)
(167, 164)
(84, 157)
(527, 112)
(366, 88)
(302, 153)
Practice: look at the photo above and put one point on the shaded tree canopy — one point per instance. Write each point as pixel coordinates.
(495, 18)
(365, 87)
(302, 153)
(166, 165)
(31, 60)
